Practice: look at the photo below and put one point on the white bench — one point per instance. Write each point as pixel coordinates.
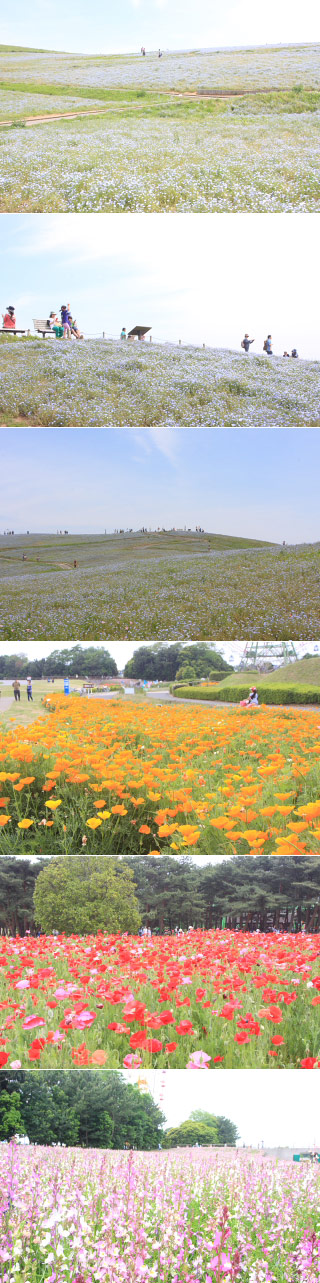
(43, 327)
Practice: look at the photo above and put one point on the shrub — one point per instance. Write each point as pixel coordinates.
(295, 694)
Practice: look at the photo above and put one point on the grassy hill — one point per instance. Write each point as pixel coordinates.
(45, 553)
(304, 671)
(143, 385)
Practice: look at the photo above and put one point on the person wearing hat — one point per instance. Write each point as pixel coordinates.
(53, 322)
(246, 343)
(9, 319)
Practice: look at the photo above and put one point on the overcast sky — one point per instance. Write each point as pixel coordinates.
(247, 272)
(102, 27)
(276, 1107)
(260, 483)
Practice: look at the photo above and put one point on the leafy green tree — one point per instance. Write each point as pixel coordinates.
(17, 883)
(190, 1133)
(161, 663)
(86, 894)
(10, 1115)
(96, 1110)
(186, 673)
(227, 1131)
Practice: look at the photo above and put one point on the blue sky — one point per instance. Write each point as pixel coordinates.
(103, 27)
(262, 483)
(198, 277)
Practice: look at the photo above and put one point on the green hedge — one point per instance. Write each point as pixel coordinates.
(295, 694)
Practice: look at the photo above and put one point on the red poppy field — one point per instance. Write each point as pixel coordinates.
(201, 1000)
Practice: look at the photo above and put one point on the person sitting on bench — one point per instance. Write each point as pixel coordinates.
(9, 319)
(54, 325)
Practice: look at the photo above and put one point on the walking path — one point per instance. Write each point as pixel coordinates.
(192, 94)
(5, 701)
(219, 703)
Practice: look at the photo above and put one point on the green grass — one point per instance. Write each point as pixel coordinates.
(301, 671)
(23, 713)
(275, 694)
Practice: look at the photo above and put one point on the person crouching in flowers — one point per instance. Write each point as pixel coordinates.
(252, 701)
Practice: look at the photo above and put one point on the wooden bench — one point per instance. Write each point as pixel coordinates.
(43, 327)
(8, 330)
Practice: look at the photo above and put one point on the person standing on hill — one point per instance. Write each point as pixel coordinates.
(16, 689)
(64, 312)
(267, 346)
(246, 343)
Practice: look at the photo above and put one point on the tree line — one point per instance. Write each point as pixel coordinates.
(85, 894)
(97, 1110)
(158, 663)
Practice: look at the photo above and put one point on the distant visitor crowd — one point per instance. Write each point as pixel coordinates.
(65, 326)
(267, 346)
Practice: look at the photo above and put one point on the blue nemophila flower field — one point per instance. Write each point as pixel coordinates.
(100, 382)
(257, 592)
(180, 133)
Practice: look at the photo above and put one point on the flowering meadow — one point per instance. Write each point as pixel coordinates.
(191, 1216)
(280, 68)
(254, 592)
(101, 382)
(201, 1000)
(118, 777)
(160, 158)
(168, 141)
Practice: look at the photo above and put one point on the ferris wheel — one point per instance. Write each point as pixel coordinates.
(258, 653)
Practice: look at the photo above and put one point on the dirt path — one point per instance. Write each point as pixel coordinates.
(190, 95)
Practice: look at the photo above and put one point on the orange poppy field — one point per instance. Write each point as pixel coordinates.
(119, 778)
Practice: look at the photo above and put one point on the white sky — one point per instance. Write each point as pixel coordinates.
(276, 1107)
(102, 27)
(246, 272)
(122, 651)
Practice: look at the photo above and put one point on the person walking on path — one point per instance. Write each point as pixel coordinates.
(16, 689)
(29, 689)
(246, 343)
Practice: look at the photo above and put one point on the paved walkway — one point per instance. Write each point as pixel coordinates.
(5, 701)
(219, 703)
